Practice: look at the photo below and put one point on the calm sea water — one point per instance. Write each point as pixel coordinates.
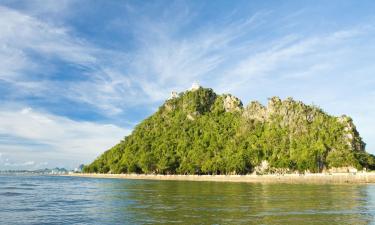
(74, 200)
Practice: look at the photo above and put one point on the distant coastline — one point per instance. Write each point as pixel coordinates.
(340, 178)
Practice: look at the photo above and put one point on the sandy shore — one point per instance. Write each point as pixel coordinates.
(360, 177)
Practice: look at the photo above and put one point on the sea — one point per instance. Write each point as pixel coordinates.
(33, 199)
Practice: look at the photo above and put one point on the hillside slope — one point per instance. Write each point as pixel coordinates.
(200, 132)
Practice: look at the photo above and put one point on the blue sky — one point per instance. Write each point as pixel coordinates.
(77, 76)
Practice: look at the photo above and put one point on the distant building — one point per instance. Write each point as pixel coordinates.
(174, 94)
(79, 168)
(195, 86)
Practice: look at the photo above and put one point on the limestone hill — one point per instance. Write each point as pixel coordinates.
(200, 132)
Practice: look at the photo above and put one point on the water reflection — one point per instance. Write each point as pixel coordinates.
(66, 200)
(240, 203)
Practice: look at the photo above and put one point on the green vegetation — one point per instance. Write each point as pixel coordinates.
(200, 132)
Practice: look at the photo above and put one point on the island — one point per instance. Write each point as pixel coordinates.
(198, 133)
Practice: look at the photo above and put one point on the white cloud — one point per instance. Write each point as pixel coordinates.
(55, 136)
(23, 164)
(46, 8)
(104, 84)
(163, 62)
(40, 36)
(28, 165)
(290, 57)
(160, 64)
(224, 56)
(24, 38)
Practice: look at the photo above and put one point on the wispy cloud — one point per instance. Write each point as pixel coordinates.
(28, 49)
(6, 164)
(224, 56)
(291, 54)
(54, 135)
(166, 59)
(253, 55)
(22, 35)
(146, 77)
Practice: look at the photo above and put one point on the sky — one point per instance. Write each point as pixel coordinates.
(77, 76)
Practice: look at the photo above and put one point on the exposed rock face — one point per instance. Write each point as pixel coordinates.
(287, 110)
(232, 104)
(169, 107)
(190, 117)
(262, 168)
(255, 111)
(274, 105)
(351, 133)
(292, 114)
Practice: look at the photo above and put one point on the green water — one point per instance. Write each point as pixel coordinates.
(74, 200)
(222, 203)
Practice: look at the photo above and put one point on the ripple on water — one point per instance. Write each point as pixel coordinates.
(16, 188)
(59, 200)
(10, 194)
(28, 185)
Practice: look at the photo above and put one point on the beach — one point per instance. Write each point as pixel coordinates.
(340, 178)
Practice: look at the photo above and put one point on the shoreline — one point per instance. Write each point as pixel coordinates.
(318, 178)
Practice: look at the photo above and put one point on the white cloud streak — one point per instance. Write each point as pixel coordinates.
(24, 38)
(225, 57)
(21, 34)
(50, 134)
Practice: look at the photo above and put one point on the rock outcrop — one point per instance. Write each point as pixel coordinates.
(232, 104)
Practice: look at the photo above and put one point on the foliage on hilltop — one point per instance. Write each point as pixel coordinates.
(200, 132)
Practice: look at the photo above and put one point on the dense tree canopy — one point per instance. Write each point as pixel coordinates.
(200, 132)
